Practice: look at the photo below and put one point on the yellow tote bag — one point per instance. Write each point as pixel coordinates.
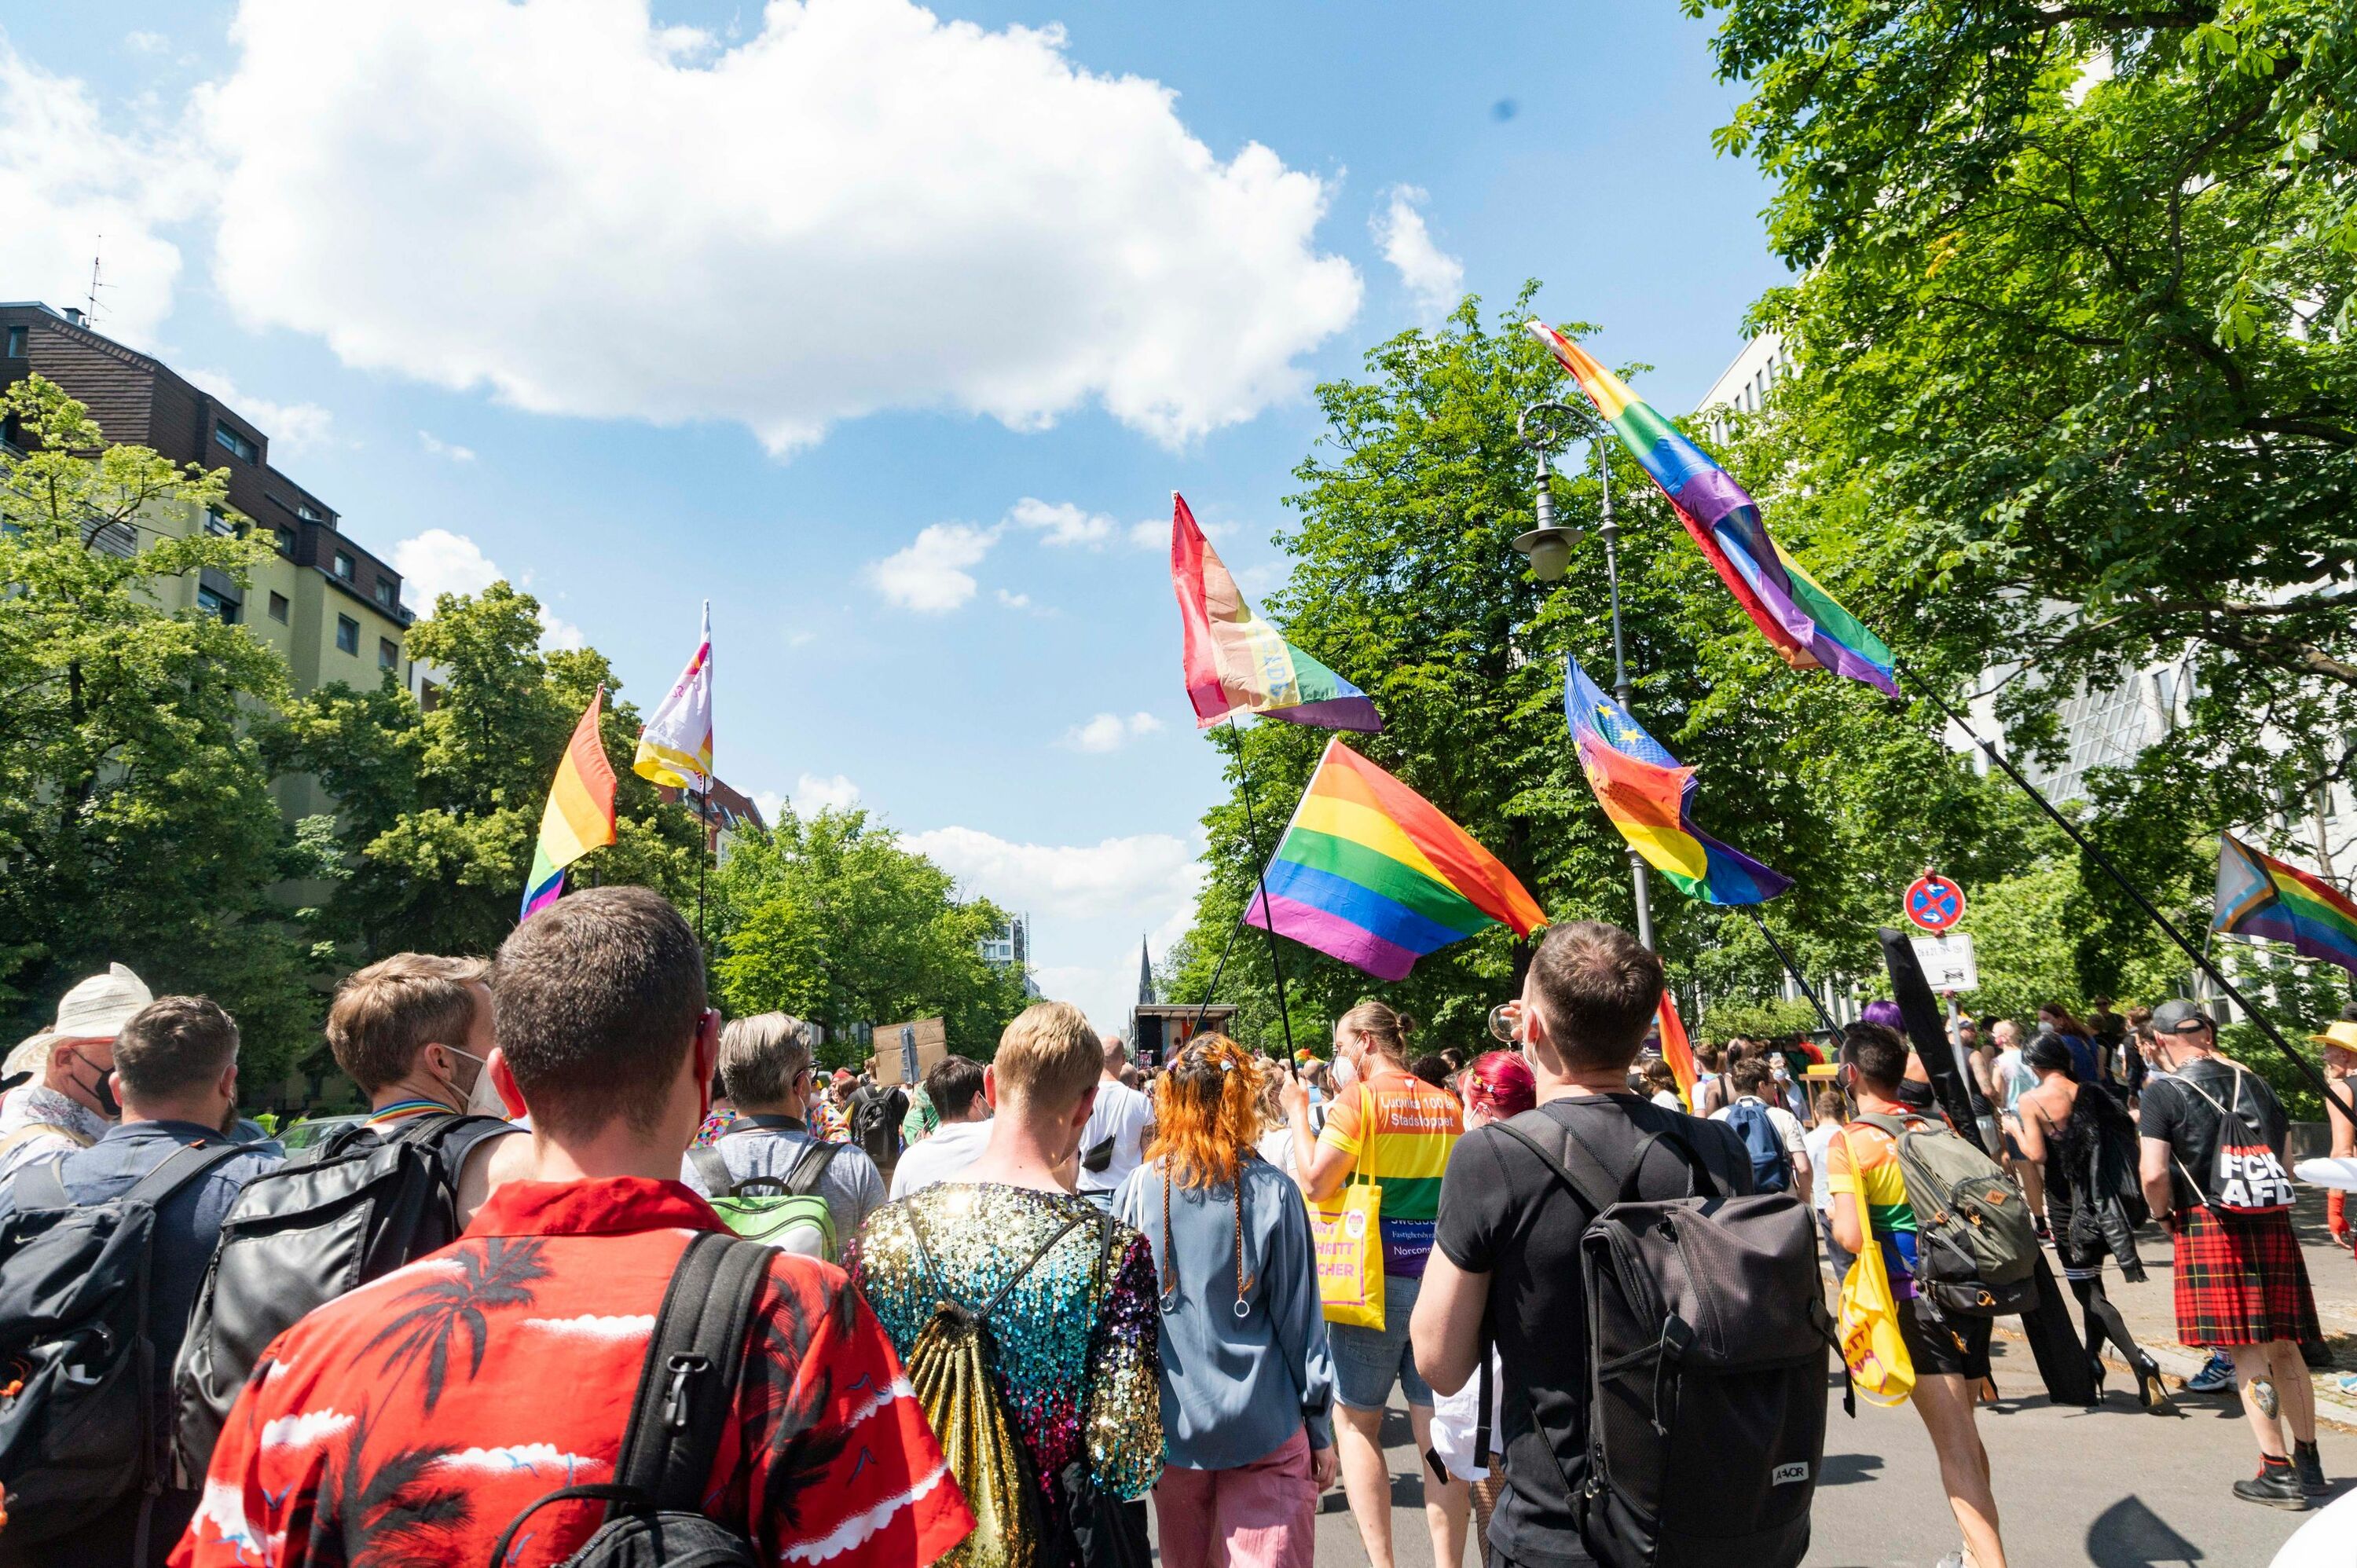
(1347, 1234)
(1867, 1321)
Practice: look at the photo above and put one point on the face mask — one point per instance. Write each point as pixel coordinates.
(103, 1089)
(483, 1099)
(1346, 1070)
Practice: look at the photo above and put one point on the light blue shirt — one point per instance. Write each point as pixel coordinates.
(1235, 1389)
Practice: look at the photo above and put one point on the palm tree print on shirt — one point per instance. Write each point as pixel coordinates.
(495, 1274)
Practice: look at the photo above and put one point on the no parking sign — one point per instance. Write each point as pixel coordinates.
(1933, 903)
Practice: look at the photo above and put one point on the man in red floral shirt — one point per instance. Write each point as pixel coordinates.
(413, 1419)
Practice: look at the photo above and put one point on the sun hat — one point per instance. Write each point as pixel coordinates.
(95, 1010)
(2341, 1032)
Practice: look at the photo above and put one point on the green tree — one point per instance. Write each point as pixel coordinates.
(441, 810)
(830, 919)
(135, 817)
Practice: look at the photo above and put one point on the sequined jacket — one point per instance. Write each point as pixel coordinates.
(1074, 1347)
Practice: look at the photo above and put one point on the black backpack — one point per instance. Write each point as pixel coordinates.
(687, 1390)
(350, 1209)
(1707, 1339)
(876, 1124)
(80, 1414)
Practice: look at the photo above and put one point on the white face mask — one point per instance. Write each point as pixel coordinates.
(483, 1100)
(1346, 1070)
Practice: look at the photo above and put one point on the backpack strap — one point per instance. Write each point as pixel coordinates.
(185, 1166)
(687, 1387)
(32, 1130)
(1593, 1185)
(42, 1185)
(809, 1169)
(712, 1170)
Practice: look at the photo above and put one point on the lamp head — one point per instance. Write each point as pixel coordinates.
(1549, 549)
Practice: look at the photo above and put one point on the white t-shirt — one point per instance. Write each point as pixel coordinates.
(1668, 1100)
(1820, 1141)
(2013, 1078)
(1122, 1114)
(942, 1157)
(1787, 1125)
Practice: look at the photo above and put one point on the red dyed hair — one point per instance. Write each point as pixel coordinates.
(1502, 1081)
(1207, 1112)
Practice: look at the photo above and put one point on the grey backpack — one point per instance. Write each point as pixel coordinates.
(1975, 1245)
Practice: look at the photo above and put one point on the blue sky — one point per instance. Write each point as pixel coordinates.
(645, 306)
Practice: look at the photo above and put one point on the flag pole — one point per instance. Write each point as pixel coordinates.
(703, 857)
(1794, 971)
(1260, 863)
(2152, 912)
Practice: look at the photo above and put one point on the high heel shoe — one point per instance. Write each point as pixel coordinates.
(2096, 1369)
(2150, 1392)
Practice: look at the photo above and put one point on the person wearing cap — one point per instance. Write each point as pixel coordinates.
(61, 1099)
(2212, 1143)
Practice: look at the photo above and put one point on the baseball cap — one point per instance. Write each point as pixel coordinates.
(2177, 1016)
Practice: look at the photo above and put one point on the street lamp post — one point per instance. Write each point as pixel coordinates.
(1549, 549)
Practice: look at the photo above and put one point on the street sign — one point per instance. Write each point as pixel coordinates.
(1947, 961)
(1933, 903)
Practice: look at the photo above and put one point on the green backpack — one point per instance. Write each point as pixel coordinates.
(1975, 1246)
(790, 1215)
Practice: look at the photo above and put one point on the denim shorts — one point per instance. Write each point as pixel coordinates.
(1367, 1360)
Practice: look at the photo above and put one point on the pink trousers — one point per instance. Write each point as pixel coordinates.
(1261, 1515)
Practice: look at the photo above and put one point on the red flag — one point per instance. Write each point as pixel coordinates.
(1675, 1049)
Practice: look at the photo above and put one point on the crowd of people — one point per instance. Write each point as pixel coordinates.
(988, 1316)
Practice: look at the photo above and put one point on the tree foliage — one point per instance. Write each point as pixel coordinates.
(441, 810)
(137, 822)
(830, 919)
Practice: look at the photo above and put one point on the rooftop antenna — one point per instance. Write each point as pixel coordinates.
(90, 305)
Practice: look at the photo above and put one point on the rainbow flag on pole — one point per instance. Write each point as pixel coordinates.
(2261, 897)
(676, 747)
(1648, 794)
(580, 814)
(1677, 1050)
(1794, 612)
(1236, 662)
(1371, 873)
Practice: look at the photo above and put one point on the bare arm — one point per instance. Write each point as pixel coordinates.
(490, 1164)
(1802, 1175)
(1447, 1328)
(2152, 1170)
(1847, 1228)
(2030, 1134)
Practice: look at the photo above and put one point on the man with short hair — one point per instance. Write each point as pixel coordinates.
(418, 1415)
(1506, 1251)
(1077, 1349)
(67, 1104)
(2212, 1140)
(953, 1087)
(765, 1065)
(1113, 1142)
(414, 1032)
(175, 1065)
(1950, 1352)
(1750, 1080)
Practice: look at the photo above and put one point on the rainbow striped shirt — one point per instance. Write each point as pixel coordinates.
(1416, 1127)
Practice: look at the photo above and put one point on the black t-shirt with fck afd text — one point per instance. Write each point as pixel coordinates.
(1504, 1214)
(2171, 1109)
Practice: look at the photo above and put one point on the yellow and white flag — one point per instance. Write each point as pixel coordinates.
(675, 747)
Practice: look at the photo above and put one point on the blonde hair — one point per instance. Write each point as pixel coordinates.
(385, 1014)
(1384, 1028)
(1049, 1055)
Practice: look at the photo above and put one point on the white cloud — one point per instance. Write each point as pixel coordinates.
(1436, 278)
(145, 43)
(66, 180)
(439, 561)
(770, 803)
(1151, 535)
(1061, 523)
(292, 427)
(929, 575)
(881, 210)
(813, 794)
(1013, 601)
(1136, 878)
(1109, 732)
(437, 447)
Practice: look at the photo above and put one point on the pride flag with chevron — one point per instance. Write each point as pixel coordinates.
(2263, 898)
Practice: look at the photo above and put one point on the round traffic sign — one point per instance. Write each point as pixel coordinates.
(1935, 903)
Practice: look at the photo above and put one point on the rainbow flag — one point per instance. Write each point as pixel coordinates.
(580, 814)
(1794, 612)
(676, 747)
(1371, 873)
(2261, 897)
(1649, 796)
(1677, 1050)
(1236, 662)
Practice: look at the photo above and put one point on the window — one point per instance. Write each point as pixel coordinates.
(429, 696)
(236, 443)
(15, 342)
(347, 635)
(278, 607)
(307, 513)
(217, 606)
(216, 522)
(344, 566)
(388, 653)
(286, 542)
(387, 594)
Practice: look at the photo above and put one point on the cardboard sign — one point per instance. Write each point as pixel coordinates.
(905, 1051)
(1947, 960)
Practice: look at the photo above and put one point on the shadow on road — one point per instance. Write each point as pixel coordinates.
(2130, 1535)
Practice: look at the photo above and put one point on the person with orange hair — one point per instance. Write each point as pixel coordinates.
(1247, 1377)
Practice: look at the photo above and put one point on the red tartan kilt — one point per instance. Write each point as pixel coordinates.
(2241, 1280)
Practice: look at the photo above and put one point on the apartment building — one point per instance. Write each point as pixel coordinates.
(324, 600)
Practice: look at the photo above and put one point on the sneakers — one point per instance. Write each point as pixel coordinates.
(2276, 1485)
(2216, 1375)
(2308, 1466)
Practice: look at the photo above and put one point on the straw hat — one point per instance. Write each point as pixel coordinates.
(95, 1010)
(2342, 1034)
